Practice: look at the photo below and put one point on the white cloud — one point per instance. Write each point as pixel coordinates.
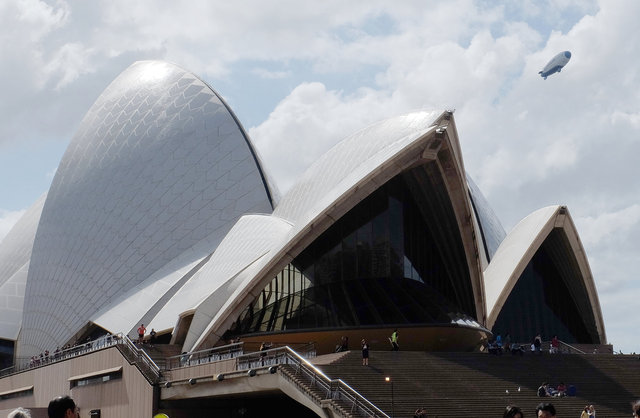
(30, 20)
(606, 229)
(69, 62)
(26, 25)
(307, 123)
(622, 117)
(621, 318)
(272, 75)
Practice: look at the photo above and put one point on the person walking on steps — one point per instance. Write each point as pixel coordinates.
(394, 340)
(365, 353)
(141, 331)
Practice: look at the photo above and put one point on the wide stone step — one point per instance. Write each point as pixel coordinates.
(455, 384)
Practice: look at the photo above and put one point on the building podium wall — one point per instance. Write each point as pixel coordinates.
(130, 395)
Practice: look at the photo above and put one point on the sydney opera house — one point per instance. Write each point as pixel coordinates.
(162, 213)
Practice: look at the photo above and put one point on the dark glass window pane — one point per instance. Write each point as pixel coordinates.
(363, 250)
(396, 238)
(540, 302)
(349, 261)
(380, 253)
(379, 264)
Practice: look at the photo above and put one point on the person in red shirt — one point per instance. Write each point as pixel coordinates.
(141, 331)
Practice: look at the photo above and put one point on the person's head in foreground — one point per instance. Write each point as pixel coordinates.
(512, 411)
(19, 413)
(63, 407)
(545, 410)
(636, 408)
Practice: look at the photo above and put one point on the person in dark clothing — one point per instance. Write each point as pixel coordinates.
(512, 411)
(543, 390)
(263, 347)
(344, 345)
(365, 353)
(63, 407)
(545, 410)
(537, 343)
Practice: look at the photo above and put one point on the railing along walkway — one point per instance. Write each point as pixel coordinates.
(210, 355)
(128, 349)
(293, 367)
(140, 358)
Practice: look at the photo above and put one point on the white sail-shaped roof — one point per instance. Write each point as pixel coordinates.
(341, 178)
(158, 165)
(518, 248)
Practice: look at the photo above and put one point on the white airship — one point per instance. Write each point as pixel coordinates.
(556, 64)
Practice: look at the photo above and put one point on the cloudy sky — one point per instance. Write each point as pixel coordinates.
(303, 75)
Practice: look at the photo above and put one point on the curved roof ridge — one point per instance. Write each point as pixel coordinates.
(270, 186)
(348, 155)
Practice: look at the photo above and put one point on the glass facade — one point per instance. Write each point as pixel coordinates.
(6, 353)
(380, 264)
(490, 227)
(543, 302)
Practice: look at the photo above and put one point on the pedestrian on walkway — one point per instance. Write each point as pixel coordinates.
(141, 331)
(394, 340)
(365, 353)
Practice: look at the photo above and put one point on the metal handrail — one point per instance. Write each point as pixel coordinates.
(100, 343)
(300, 348)
(205, 356)
(105, 341)
(142, 357)
(577, 350)
(334, 389)
(261, 361)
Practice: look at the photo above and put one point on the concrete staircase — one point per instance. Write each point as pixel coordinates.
(481, 385)
(160, 352)
(337, 407)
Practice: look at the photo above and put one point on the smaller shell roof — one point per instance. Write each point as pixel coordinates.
(517, 250)
(510, 258)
